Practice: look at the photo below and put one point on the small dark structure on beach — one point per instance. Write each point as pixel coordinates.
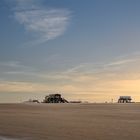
(124, 99)
(54, 98)
(35, 101)
(75, 102)
(32, 101)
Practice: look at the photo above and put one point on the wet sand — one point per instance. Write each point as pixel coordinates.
(70, 121)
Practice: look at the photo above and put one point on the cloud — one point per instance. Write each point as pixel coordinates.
(121, 62)
(14, 66)
(86, 78)
(45, 23)
(10, 86)
(83, 73)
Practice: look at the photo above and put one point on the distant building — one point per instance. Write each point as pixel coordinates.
(124, 99)
(54, 98)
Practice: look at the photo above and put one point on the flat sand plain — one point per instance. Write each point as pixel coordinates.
(70, 121)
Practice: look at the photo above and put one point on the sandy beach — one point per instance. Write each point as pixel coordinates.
(70, 121)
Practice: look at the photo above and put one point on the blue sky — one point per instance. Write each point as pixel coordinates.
(86, 49)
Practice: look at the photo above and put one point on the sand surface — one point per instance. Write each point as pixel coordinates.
(70, 121)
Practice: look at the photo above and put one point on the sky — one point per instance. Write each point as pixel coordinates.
(86, 50)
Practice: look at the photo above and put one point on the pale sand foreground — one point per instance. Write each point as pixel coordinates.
(70, 121)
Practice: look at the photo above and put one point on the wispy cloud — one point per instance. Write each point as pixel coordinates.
(22, 87)
(14, 65)
(121, 62)
(85, 78)
(79, 73)
(45, 23)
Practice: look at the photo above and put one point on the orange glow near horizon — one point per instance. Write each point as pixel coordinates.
(94, 91)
